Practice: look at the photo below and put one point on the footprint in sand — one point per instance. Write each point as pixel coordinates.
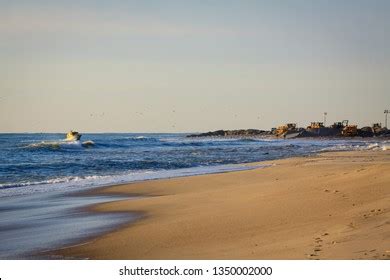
(374, 254)
(352, 225)
(342, 194)
(373, 212)
(318, 247)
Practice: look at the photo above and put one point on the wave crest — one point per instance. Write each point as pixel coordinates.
(60, 144)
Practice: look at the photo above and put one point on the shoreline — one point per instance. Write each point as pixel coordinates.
(140, 177)
(256, 214)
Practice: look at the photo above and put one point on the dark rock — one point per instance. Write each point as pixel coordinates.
(365, 132)
(382, 132)
(240, 132)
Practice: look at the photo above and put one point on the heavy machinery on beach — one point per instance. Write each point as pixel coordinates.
(316, 129)
(349, 131)
(340, 125)
(316, 125)
(281, 131)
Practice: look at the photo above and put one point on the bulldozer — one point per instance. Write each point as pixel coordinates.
(282, 130)
(314, 125)
(340, 125)
(349, 131)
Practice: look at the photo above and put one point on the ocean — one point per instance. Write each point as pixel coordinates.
(41, 173)
(33, 163)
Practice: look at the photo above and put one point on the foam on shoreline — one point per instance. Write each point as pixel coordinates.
(77, 183)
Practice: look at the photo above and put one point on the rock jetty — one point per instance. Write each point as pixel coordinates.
(294, 132)
(227, 133)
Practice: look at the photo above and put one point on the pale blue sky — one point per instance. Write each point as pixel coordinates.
(162, 66)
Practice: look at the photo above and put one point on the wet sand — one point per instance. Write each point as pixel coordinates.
(33, 224)
(328, 206)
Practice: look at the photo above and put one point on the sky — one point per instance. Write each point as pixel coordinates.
(191, 66)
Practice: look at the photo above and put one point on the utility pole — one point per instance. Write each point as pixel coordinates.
(325, 113)
(386, 112)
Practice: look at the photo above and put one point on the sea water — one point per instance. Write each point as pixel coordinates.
(31, 163)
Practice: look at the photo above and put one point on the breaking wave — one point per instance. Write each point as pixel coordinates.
(60, 144)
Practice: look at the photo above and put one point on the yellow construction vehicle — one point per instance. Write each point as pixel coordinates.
(349, 131)
(315, 125)
(282, 130)
(340, 125)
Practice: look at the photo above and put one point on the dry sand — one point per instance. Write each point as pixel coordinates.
(329, 206)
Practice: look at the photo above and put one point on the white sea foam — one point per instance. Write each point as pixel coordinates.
(379, 146)
(358, 147)
(61, 144)
(140, 137)
(74, 183)
(56, 144)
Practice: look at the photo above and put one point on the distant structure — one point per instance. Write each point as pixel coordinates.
(386, 113)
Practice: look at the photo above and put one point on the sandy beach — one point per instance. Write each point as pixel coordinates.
(328, 206)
